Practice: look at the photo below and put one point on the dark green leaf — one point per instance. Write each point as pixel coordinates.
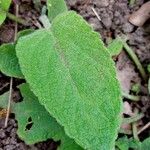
(9, 62)
(145, 144)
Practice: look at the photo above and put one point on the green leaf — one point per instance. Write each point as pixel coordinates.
(145, 144)
(123, 143)
(134, 144)
(9, 62)
(115, 47)
(4, 100)
(4, 6)
(73, 76)
(24, 32)
(42, 126)
(55, 7)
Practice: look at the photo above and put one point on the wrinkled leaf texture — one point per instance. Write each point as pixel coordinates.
(73, 76)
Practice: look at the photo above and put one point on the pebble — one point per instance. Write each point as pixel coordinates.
(127, 27)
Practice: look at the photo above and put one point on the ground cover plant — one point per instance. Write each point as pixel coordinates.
(71, 92)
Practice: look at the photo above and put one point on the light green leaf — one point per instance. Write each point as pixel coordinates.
(115, 47)
(42, 126)
(145, 144)
(73, 76)
(4, 6)
(9, 62)
(55, 7)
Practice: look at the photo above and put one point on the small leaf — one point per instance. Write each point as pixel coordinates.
(4, 6)
(115, 47)
(4, 100)
(123, 143)
(145, 144)
(73, 76)
(9, 62)
(55, 7)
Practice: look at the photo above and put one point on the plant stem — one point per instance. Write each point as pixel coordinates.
(11, 79)
(16, 19)
(9, 102)
(132, 119)
(135, 59)
(135, 133)
(45, 21)
(131, 97)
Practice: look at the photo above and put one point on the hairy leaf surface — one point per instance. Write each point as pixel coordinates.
(73, 76)
(55, 7)
(9, 62)
(4, 6)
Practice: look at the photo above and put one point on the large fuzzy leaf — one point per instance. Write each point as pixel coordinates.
(4, 6)
(9, 62)
(73, 75)
(55, 7)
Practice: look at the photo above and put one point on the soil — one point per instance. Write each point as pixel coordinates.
(114, 16)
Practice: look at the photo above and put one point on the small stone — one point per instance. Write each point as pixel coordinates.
(127, 27)
(9, 147)
(107, 22)
(2, 134)
(101, 3)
